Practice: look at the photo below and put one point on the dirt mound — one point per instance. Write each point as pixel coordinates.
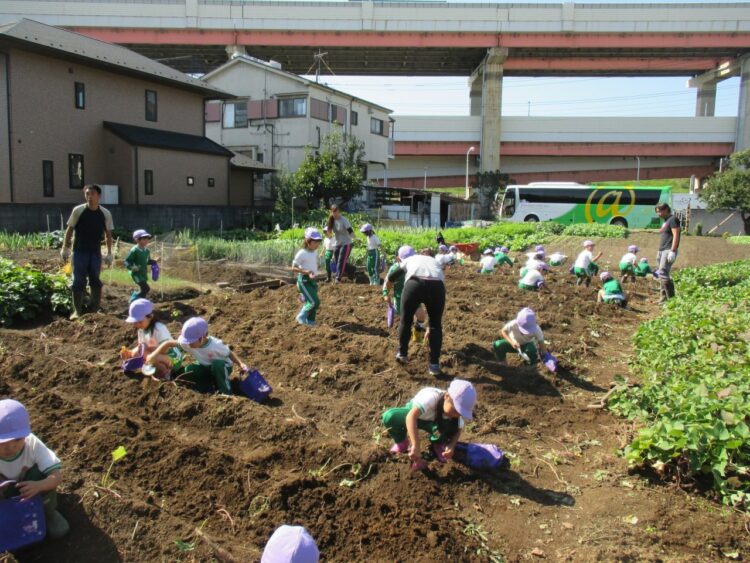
(230, 470)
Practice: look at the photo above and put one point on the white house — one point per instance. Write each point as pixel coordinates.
(277, 115)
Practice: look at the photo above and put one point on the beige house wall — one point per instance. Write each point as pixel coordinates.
(5, 188)
(171, 169)
(241, 187)
(47, 126)
(120, 165)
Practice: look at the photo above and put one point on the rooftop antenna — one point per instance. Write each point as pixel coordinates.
(318, 60)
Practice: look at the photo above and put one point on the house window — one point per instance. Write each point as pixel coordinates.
(48, 178)
(376, 126)
(211, 182)
(293, 107)
(75, 171)
(235, 115)
(259, 157)
(190, 181)
(355, 118)
(80, 95)
(148, 182)
(151, 105)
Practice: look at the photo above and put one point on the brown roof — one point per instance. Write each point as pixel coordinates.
(53, 41)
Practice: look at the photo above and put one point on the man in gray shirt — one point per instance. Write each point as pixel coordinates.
(669, 243)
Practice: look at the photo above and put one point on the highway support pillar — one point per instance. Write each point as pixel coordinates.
(488, 79)
(705, 100)
(743, 110)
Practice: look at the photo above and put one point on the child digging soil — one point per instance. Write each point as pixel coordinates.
(521, 335)
(151, 333)
(440, 413)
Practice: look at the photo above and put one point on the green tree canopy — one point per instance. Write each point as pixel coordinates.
(730, 188)
(336, 171)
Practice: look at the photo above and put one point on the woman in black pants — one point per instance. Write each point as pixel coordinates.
(424, 284)
(342, 233)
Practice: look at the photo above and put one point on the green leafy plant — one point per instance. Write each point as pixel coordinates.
(28, 292)
(693, 406)
(117, 454)
(595, 230)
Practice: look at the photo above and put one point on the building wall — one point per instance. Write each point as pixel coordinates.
(241, 187)
(293, 135)
(5, 187)
(171, 170)
(120, 166)
(47, 126)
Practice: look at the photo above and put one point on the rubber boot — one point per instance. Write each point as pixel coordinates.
(57, 525)
(77, 305)
(663, 290)
(96, 299)
(670, 288)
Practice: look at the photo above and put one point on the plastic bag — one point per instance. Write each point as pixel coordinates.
(481, 456)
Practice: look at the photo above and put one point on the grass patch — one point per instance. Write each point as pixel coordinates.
(121, 276)
(740, 239)
(679, 185)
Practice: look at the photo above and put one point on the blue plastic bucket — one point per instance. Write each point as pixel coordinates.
(255, 386)
(23, 522)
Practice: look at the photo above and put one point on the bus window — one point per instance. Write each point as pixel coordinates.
(508, 208)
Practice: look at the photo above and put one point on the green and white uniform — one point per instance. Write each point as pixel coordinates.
(373, 259)
(502, 258)
(488, 264)
(329, 244)
(531, 280)
(137, 263)
(308, 260)
(152, 337)
(398, 286)
(431, 418)
(212, 366)
(584, 266)
(628, 263)
(642, 269)
(529, 342)
(613, 292)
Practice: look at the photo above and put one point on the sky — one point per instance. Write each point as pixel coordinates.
(543, 96)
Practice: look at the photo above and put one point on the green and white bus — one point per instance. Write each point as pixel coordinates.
(569, 202)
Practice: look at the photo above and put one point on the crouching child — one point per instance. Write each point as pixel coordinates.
(213, 359)
(611, 291)
(30, 466)
(521, 335)
(439, 413)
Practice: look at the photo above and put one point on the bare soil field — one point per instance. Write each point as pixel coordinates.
(209, 478)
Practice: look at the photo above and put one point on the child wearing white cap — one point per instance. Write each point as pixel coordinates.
(305, 265)
(213, 359)
(151, 333)
(373, 253)
(628, 263)
(487, 262)
(137, 262)
(585, 265)
(290, 544)
(440, 413)
(521, 335)
(28, 467)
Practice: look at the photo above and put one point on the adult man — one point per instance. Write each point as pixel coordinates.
(91, 223)
(668, 245)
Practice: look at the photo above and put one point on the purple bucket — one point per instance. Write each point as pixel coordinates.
(390, 315)
(334, 267)
(550, 362)
(136, 362)
(255, 386)
(23, 522)
(155, 271)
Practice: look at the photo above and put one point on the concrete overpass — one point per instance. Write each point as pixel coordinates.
(705, 42)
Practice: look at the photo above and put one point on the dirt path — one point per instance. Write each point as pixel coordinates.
(237, 470)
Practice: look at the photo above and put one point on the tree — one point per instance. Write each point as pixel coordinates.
(486, 186)
(730, 189)
(336, 171)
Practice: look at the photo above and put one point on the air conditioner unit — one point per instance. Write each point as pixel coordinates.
(110, 194)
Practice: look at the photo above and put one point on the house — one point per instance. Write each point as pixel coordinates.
(277, 116)
(75, 110)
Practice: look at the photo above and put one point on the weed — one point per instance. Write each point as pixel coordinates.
(356, 470)
(117, 454)
(259, 505)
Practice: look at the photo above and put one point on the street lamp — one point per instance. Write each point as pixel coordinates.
(467, 172)
(638, 171)
(293, 198)
(424, 186)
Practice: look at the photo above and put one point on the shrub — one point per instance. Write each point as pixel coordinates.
(28, 292)
(595, 230)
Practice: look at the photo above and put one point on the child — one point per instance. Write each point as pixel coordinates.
(305, 264)
(628, 263)
(538, 249)
(329, 246)
(557, 259)
(151, 333)
(439, 413)
(373, 253)
(290, 544)
(532, 279)
(501, 256)
(213, 359)
(398, 287)
(31, 466)
(444, 257)
(585, 264)
(487, 262)
(453, 251)
(611, 291)
(521, 335)
(137, 262)
(643, 269)
(535, 262)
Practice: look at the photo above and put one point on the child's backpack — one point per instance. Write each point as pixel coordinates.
(481, 456)
(23, 522)
(255, 386)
